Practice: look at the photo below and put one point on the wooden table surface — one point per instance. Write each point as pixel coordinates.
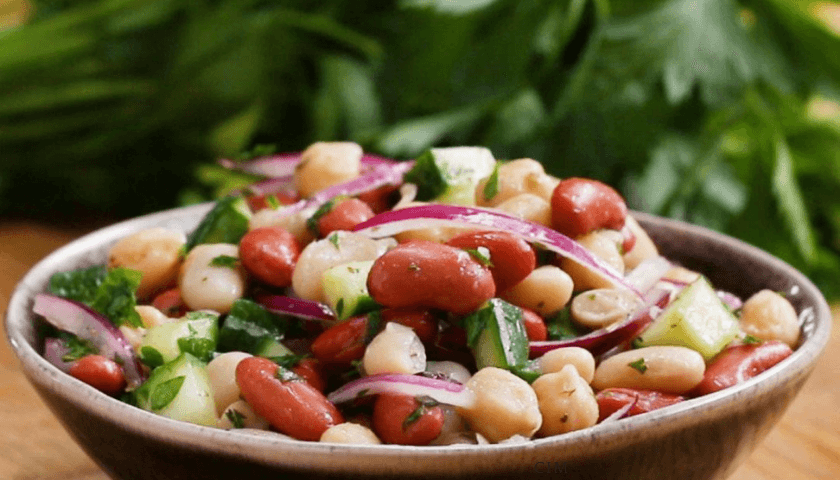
(804, 445)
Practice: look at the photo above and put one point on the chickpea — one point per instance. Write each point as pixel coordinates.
(240, 415)
(601, 244)
(602, 307)
(338, 248)
(351, 434)
(528, 206)
(644, 247)
(505, 405)
(396, 349)
(151, 316)
(295, 223)
(221, 372)
(524, 175)
(770, 316)
(566, 400)
(325, 164)
(668, 369)
(154, 252)
(580, 358)
(545, 290)
(452, 370)
(204, 286)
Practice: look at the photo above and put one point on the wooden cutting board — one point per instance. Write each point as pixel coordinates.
(804, 445)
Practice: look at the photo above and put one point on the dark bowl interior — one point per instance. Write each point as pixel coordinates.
(702, 438)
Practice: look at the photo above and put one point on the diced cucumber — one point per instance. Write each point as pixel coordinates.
(697, 319)
(450, 175)
(496, 335)
(345, 289)
(227, 222)
(248, 326)
(270, 347)
(197, 334)
(179, 390)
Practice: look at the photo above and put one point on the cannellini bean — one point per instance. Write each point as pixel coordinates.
(770, 316)
(603, 246)
(505, 405)
(644, 247)
(325, 164)
(668, 369)
(338, 248)
(681, 274)
(294, 223)
(546, 290)
(154, 252)
(523, 175)
(222, 374)
(151, 316)
(350, 433)
(452, 370)
(566, 400)
(580, 358)
(602, 307)
(240, 415)
(396, 349)
(528, 206)
(207, 287)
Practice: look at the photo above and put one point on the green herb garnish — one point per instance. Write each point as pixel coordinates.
(491, 188)
(237, 419)
(226, 261)
(639, 365)
(481, 254)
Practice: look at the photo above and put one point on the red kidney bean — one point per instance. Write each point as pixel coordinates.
(740, 363)
(309, 369)
(582, 205)
(512, 258)
(259, 202)
(100, 373)
(421, 273)
(611, 400)
(629, 239)
(170, 303)
(341, 343)
(270, 254)
(423, 322)
(380, 199)
(344, 216)
(291, 406)
(534, 325)
(402, 420)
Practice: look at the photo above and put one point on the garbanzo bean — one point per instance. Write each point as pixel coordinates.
(324, 164)
(545, 290)
(221, 372)
(396, 349)
(566, 400)
(523, 175)
(350, 434)
(770, 316)
(240, 415)
(528, 206)
(580, 358)
(603, 246)
(154, 252)
(668, 369)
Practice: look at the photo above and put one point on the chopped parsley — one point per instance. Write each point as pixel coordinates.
(491, 188)
(286, 375)
(226, 261)
(481, 254)
(639, 365)
(424, 404)
(750, 340)
(76, 347)
(272, 202)
(333, 238)
(237, 419)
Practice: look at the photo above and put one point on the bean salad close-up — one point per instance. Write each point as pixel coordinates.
(451, 299)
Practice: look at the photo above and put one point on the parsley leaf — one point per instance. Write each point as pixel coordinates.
(638, 365)
(491, 188)
(226, 261)
(237, 419)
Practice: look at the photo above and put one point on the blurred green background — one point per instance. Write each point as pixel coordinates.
(720, 112)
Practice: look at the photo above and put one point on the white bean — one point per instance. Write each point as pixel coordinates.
(338, 248)
(546, 290)
(154, 252)
(222, 374)
(239, 414)
(644, 247)
(452, 370)
(151, 316)
(351, 434)
(325, 164)
(668, 369)
(528, 206)
(396, 349)
(602, 307)
(770, 316)
(603, 246)
(580, 358)
(505, 405)
(207, 287)
(566, 400)
(294, 223)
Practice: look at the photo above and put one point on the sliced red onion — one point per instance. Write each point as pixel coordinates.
(648, 273)
(731, 300)
(392, 222)
(606, 338)
(296, 307)
(54, 351)
(88, 324)
(443, 391)
(283, 164)
(621, 412)
(272, 186)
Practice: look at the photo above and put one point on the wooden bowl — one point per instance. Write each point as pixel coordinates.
(702, 438)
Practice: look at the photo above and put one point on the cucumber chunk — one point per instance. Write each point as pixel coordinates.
(496, 335)
(197, 334)
(179, 390)
(227, 222)
(270, 348)
(345, 289)
(450, 175)
(697, 319)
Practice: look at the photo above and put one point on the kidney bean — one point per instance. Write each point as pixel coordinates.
(380, 199)
(511, 258)
(309, 369)
(403, 420)
(342, 343)
(611, 400)
(270, 254)
(582, 205)
(100, 373)
(344, 216)
(170, 303)
(428, 274)
(534, 325)
(740, 363)
(291, 406)
(423, 322)
(259, 202)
